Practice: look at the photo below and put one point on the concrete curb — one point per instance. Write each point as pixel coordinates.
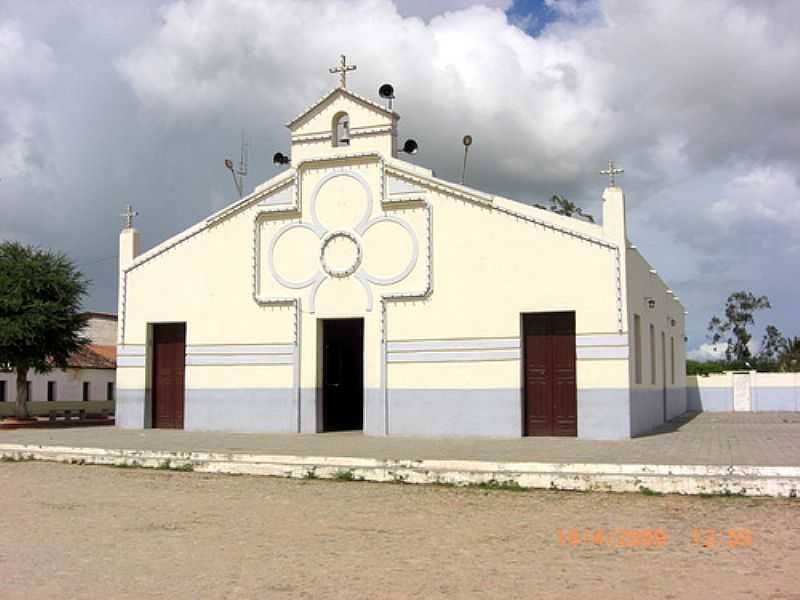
(740, 480)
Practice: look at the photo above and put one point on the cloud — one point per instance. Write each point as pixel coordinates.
(427, 9)
(695, 100)
(763, 193)
(706, 352)
(25, 65)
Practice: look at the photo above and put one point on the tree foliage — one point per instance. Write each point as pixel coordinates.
(780, 353)
(562, 206)
(789, 355)
(41, 323)
(777, 353)
(733, 330)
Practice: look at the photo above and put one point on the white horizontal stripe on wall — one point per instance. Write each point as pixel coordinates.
(600, 352)
(197, 349)
(130, 350)
(588, 347)
(130, 361)
(464, 344)
(238, 359)
(601, 340)
(444, 356)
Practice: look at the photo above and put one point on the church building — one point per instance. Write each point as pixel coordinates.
(357, 291)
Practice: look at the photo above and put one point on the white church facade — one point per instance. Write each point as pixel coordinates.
(357, 291)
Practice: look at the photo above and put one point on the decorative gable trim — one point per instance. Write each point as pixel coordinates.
(396, 186)
(352, 95)
(465, 193)
(327, 136)
(283, 183)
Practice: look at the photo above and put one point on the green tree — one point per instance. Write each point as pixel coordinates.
(739, 310)
(771, 345)
(562, 206)
(789, 355)
(40, 320)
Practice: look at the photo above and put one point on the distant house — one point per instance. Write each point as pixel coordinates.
(91, 374)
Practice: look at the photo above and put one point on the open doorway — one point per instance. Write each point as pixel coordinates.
(342, 374)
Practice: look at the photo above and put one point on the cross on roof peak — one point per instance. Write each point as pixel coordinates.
(128, 216)
(342, 69)
(611, 172)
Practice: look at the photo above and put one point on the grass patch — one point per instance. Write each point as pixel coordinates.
(344, 475)
(724, 494)
(182, 468)
(125, 465)
(6, 458)
(646, 491)
(166, 465)
(493, 485)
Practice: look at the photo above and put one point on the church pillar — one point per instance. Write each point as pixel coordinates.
(614, 215)
(616, 232)
(128, 251)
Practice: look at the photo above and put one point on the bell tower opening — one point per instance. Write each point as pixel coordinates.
(341, 129)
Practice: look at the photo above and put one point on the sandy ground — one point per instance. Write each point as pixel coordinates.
(101, 532)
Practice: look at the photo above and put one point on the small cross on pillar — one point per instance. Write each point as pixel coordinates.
(611, 171)
(342, 69)
(128, 216)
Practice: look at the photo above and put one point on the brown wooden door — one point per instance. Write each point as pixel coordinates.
(551, 398)
(169, 367)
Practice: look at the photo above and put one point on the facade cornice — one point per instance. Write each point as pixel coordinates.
(350, 94)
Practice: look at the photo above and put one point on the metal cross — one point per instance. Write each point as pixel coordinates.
(128, 216)
(611, 171)
(342, 69)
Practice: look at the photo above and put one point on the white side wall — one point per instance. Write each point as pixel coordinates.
(102, 330)
(659, 395)
(69, 384)
(767, 392)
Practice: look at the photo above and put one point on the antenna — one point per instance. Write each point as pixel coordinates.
(239, 173)
(243, 158)
(387, 91)
(467, 141)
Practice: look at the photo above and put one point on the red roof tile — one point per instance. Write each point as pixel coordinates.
(94, 356)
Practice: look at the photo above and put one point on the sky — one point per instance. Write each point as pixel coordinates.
(103, 104)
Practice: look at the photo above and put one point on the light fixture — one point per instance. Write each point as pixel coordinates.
(410, 147)
(651, 303)
(280, 159)
(386, 91)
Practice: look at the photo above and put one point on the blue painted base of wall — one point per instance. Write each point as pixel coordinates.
(710, 399)
(474, 412)
(785, 399)
(651, 408)
(266, 410)
(130, 409)
(677, 402)
(603, 414)
(647, 410)
(374, 412)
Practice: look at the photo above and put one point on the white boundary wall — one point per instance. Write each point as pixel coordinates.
(744, 391)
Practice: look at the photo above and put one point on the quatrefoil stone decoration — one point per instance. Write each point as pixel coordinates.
(342, 250)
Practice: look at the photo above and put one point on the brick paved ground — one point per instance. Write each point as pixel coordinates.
(768, 439)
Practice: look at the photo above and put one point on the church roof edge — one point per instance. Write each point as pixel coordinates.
(347, 92)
